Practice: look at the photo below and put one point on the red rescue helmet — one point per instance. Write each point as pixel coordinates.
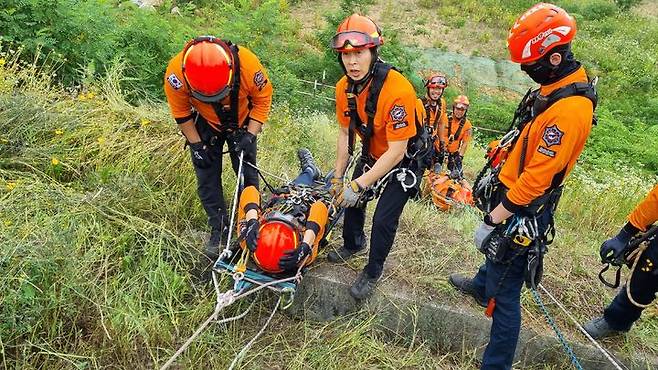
(275, 237)
(538, 30)
(357, 32)
(208, 68)
(437, 80)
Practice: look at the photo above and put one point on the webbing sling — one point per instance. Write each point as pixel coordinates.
(379, 73)
(228, 119)
(435, 125)
(454, 137)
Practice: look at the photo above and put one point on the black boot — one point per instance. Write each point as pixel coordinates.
(306, 161)
(598, 328)
(465, 286)
(211, 250)
(363, 286)
(343, 254)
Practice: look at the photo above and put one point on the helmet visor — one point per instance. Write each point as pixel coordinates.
(353, 40)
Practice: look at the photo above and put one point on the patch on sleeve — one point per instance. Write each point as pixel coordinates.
(174, 81)
(259, 80)
(553, 136)
(546, 151)
(398, 125)
(398, 113)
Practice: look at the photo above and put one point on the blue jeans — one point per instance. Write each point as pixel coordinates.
(304, 178)
(504, 282)
(621, 313)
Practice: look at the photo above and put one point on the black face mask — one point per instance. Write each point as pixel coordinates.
(544, 73)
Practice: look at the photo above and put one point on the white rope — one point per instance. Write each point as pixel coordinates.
(267, 173)
(243, 351)
(607, 354)
(226, 253)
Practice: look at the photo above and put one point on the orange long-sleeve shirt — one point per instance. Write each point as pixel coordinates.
(555, 140)
(395, 115)
(646, 213)
(254, 97)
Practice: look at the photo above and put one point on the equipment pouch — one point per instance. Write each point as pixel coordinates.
(496, 246)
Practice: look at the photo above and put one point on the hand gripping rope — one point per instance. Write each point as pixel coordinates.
(229, 297)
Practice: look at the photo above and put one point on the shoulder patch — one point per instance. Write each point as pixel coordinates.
(552, 136)
(174, 81)
(398, 113)
(259, 80)
(546, 151)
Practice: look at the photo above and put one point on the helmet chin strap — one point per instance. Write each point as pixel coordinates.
(358, 84)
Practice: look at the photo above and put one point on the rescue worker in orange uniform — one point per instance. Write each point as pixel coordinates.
(436, 116)
(620, 315)
(457, 134)
(218, 93)
(285, 232)
(377, 104)
(553, 125)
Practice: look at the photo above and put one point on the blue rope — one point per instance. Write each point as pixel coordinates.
(565, 345)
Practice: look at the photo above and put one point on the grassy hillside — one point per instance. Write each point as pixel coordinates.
(100, 226)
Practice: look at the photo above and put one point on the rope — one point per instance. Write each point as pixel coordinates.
(635, 257)
(240, 355)
(565, 345)
(607, 354)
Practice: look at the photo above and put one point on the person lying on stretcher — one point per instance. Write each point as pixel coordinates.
(447, 188)
(283, 233)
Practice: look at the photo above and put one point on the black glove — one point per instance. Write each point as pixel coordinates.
(250, 233)
(201, 157)
(244, 142)
(292, 259)
(612, 250)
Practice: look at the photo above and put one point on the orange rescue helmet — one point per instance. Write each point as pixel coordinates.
(461, 100)
(538, 30)
(437, 80)
(275, 237)
(357, 32)
(208, 68)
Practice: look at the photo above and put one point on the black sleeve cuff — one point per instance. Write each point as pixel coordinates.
(312, 225)
(251, 206)
(253, 119)
(184, 119)
(509, 205)
(631, 229)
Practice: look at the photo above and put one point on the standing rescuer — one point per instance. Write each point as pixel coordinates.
(378, 104)
(218, 93)
(521, 192)
(457, 135)
(436, 116)
(620, 315)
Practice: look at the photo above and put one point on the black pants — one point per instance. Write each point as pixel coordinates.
(621, 313)
(384, 224)
(454, 162)
(209, 180)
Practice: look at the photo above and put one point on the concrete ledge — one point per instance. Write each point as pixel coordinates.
(323, 295)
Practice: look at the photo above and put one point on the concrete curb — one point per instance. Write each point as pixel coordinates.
(323, 295)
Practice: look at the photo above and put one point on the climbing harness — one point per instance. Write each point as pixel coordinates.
(246, 280)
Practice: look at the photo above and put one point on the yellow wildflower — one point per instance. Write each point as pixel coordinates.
(82, 97)
(11, 185)
(8, 223)
(2, 62)
(54, 161)
(101, 140)
(90, 95)
(59, 131)
(144, 122)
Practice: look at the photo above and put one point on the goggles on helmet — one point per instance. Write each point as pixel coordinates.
(226, 80)
(437, 81)
(354, 40)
